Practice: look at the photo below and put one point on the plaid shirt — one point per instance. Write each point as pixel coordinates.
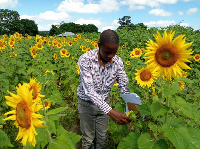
(97, 79)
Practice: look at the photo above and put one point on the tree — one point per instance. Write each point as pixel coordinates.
(9, 22)
(125, 21)
(54, 30)
(29, 27)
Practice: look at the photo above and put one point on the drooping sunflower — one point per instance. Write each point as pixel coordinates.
(181, 85)
(24, 114)
(196, 57)
(145, 76)
(168, 56)
(55, 56)
(35, 87)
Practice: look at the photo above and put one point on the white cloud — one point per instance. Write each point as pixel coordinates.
(160, 12)
(8, 3)
(180, 13)
(52, 16)
(48, 16)
(96, 22)
(184, 24)
(159, 23)
(134, 7)
(151, 3)
(192, 11)
(78, 6)
(45, 27)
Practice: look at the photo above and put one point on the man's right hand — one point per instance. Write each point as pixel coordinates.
(119, 117)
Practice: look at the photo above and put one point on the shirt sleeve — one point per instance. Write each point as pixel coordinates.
(122, 78)
(88, 87)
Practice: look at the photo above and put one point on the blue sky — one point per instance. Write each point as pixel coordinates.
(105, 13)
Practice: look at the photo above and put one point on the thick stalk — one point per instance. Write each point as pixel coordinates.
(167, 100)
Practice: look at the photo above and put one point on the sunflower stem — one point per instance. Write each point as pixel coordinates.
(167, 100)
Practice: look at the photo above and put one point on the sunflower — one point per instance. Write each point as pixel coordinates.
(181, 85)
(5, 36)
(67, 55)
(84, 49)
(79, 36)
(35, 88)
(96, 45)
(39, 45)
(2, 44)
(24, 114)
(12, 38)
(77, 68)
(145, 77)
(47, 104)
(127, 62)
(33, 51)
(63, 52)
(70, 43)
(59, 45)
(196, 57)
(168, 56)
(124, 46)
(11, 44)
(137, 52)
(115, 84)
(16, 34)
(55, 56)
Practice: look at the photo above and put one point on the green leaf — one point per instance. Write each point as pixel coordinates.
(181, 135)
(145, 142)
(57, 110)
(130, 141)
(144, 109)
(4, 140)
(117, 131)
(157, 109)
(65, 139)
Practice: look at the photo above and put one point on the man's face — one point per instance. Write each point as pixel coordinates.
(107, 51)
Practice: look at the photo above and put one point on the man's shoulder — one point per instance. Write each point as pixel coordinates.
(89, 54)
(117, 59)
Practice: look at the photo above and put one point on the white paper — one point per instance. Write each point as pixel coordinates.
(132, 98)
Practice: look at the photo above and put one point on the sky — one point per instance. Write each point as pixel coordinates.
(105, 13)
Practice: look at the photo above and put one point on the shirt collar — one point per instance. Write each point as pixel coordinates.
(98, 59)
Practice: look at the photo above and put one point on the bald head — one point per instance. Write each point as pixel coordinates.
(109, 36)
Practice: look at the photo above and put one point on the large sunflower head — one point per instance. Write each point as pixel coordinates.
(168, 56)
(24, 114)
(145, 77)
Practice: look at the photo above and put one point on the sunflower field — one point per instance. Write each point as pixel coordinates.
(40, 75)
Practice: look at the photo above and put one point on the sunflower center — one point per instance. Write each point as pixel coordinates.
(23, 115)
(145, 75)
(137, 52)
(166, 56)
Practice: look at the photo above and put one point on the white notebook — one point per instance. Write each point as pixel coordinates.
(132, 98)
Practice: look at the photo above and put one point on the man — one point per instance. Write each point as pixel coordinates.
(99, 68)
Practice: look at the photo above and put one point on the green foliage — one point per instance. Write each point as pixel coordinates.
(171, 116)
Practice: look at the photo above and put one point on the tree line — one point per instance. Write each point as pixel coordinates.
(10, 23)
